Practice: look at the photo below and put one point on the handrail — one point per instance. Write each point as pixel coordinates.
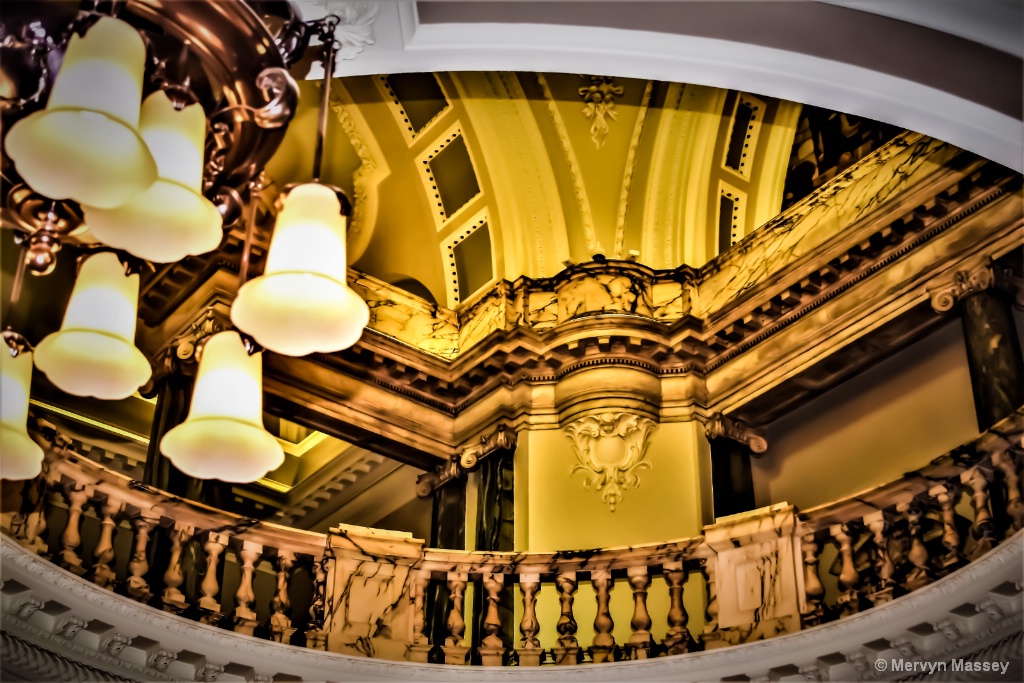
(889, 540)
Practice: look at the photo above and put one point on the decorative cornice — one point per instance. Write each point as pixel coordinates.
(611, 479)
(719, 426)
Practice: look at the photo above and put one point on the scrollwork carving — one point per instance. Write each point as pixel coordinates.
(965, 282)
(502, 438)
(600, 106)
(721, 427)
(611, 478)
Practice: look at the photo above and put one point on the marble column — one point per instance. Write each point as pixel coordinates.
(495, 531)
(733, 444)
(993, 356)
(990, 337)
(173, 396)
(448, 531)
(731, 478)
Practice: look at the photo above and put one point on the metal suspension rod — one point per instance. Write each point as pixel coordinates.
(330, 53)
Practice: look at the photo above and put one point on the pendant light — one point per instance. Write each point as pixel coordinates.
(93, 353)
(302, 303)
(223, 436)
(20, 456)
(172, 219)
(86, 145)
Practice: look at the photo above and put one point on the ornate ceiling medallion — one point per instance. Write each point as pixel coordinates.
(611, 449)
(600, 106)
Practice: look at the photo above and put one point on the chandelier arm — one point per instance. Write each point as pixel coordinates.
(256, 189)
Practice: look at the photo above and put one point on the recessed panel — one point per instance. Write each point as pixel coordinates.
(453, 175)
(473, 261)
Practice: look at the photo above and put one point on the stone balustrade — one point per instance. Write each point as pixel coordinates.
(375, 594)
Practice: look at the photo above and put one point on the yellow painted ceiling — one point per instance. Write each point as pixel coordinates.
(459, 179)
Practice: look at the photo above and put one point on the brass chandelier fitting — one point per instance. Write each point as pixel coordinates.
(140, 148)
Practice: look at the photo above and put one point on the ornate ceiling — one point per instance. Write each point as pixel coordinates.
(461, 179)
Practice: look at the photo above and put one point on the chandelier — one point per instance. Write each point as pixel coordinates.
(151, 138)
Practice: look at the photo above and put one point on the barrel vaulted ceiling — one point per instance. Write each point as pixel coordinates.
(464, 178)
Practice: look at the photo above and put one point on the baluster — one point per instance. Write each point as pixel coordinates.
(712, 638)
(884, 568)
(849, 579)
(603, 648)
(72, 537)
(103, 575)
(813, 590)
(946, 495)
(138, 565)
(209, 605)
(455, 647)
(1006, 463)
(639, 645)
(492, 649)
(917, 555)
(316, 635)
(245, 597)
(281, 628)
(419, 650)
(529, 646)
(982, 530)
(568, 649)
(677, 638)
(35, 527)
(173, 599)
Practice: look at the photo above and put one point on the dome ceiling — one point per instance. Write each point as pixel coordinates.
(463, 178)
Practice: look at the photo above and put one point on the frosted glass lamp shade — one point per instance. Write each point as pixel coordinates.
(93, 353)
(302, 303)
(20, 456)
(223, 437)
(172, 219)
(86, 145)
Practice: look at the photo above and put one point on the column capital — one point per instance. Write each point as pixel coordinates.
(962, 283)
(503, 437)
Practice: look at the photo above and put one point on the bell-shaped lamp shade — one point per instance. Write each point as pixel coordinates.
(86, 145)
(302, 303)
(93, 353)
(20, 456)
(223, 437)
(172, 219)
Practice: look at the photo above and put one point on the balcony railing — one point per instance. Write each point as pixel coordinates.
(377, 593)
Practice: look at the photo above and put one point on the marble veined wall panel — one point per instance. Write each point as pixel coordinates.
(784, 245)
(898, 166)
(407, 318)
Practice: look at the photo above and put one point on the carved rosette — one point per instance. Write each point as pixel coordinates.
(965, 282)
(610, 448)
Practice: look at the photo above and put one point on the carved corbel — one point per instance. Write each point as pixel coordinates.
(503, 438)
(428, 482)
(963, 283)
(719, 426)
(610, 470)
